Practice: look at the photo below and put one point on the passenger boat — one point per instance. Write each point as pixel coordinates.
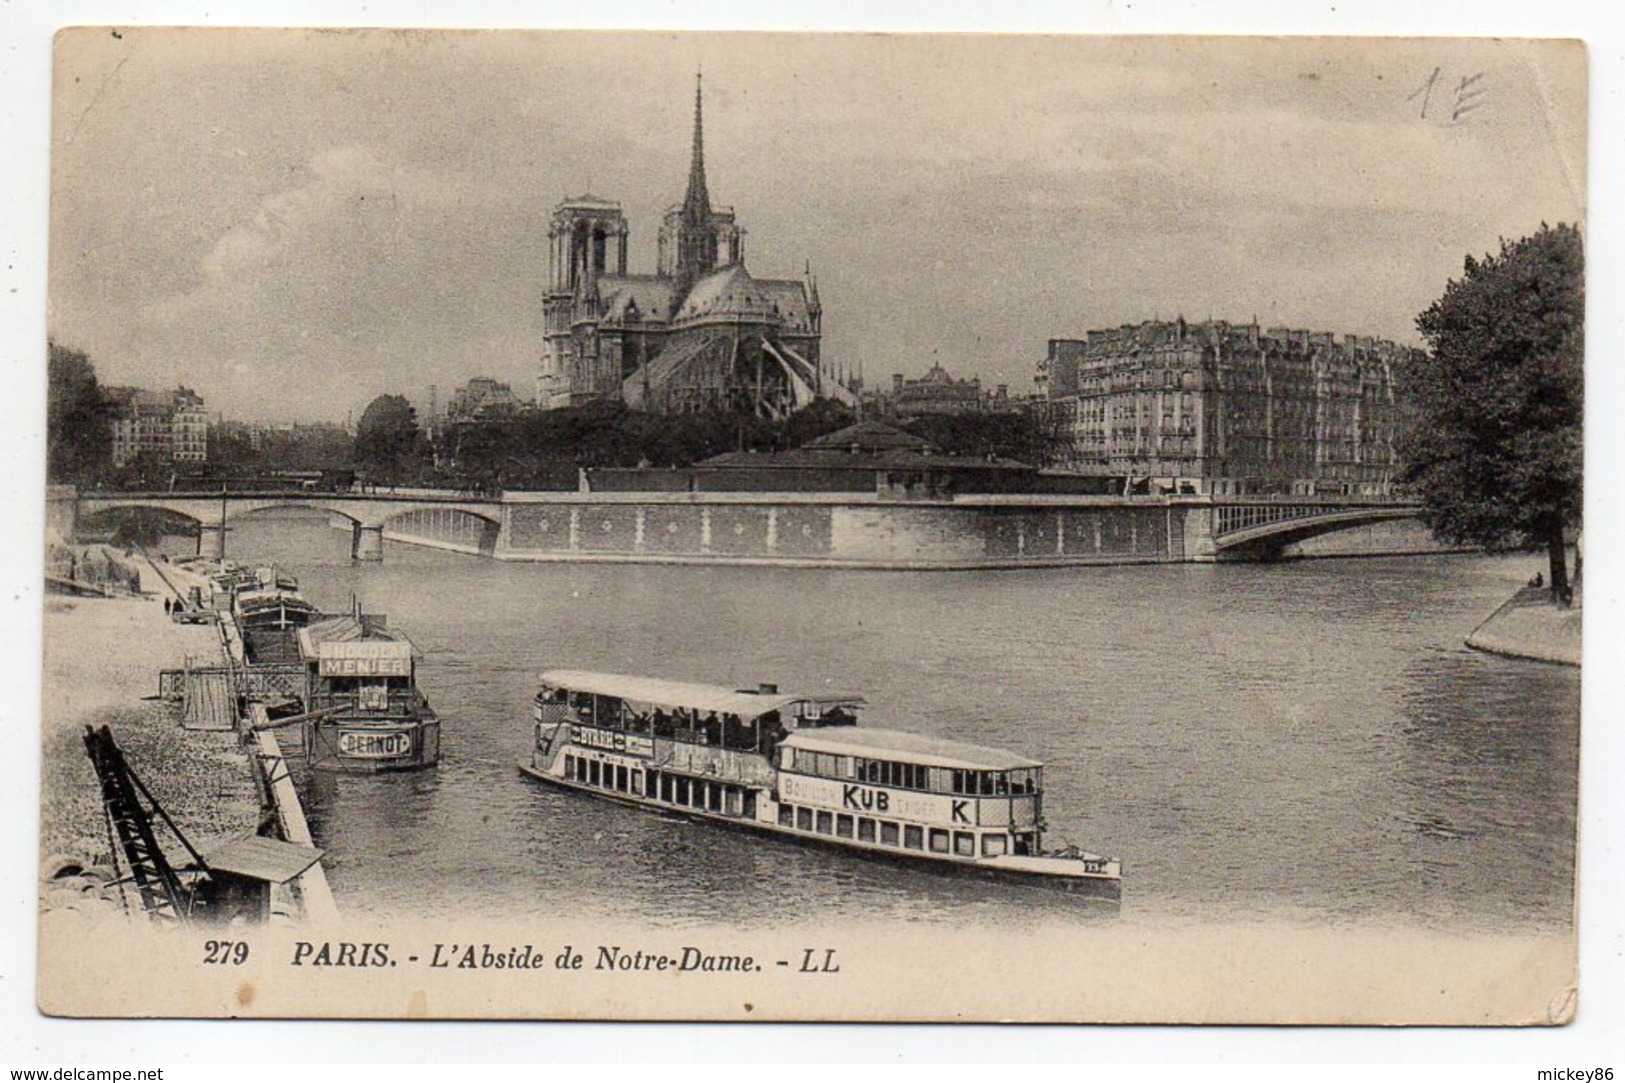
(361, 689)
(798, 766)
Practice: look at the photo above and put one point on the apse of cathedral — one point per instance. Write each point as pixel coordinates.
(701, 333)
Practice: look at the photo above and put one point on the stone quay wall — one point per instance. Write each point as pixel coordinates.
(837, 530)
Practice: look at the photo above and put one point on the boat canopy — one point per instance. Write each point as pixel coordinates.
(902, 747)
(319, 635)
(695, 697)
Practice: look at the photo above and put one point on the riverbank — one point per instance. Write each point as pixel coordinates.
(102, 658)
(1530, 626)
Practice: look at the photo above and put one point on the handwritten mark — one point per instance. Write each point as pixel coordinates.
(1426, 91)
(1470, 94)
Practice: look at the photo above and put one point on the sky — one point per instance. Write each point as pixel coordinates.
(293, 222)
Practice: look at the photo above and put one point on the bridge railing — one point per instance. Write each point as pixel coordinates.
(1231, 518)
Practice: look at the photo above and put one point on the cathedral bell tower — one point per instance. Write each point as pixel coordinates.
(586, 240)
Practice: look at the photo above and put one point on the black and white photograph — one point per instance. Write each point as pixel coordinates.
(886, 527)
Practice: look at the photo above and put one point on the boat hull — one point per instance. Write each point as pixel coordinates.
(355, 748)
(1066, 875)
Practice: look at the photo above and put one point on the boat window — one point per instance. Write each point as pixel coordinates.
(637, 783)
(964, 844)
(826, 823)
(569, 765)
(843, 826)
(908, 776)
(620, 778)
(787, 816)
(804, 819)
(913, 837)
(682, 790)
(888, 833)
(581, 703)
(1026, 780)
(994, 845)
(939, 840)
(713, 796)
(1024, 844)
(866, 829)
(592, 771)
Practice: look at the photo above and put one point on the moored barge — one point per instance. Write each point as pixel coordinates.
(367, 713)
(798, 766)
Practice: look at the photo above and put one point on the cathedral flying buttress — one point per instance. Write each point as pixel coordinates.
(701, 333)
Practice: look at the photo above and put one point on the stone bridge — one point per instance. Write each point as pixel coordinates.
(1261, 528)
(798, 529)
(368, 513)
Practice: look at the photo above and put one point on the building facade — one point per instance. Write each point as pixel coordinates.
(483, 399)
(1225, 408)
(701, 333)
(937, 394)
(171, 426)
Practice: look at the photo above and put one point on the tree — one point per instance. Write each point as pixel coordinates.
(1016, 434)
(78, 428)
(388, 443)
(1495, 449)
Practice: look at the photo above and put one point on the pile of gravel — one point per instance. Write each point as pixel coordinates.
(203, 780)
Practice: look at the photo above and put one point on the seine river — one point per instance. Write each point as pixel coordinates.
(1307, 742)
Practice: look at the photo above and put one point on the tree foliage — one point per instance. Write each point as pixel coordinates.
(1008, 435)
(544, 449)
(79, 435)
(389, 446)
(1495, 450)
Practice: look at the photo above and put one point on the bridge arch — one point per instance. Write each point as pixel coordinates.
(1267, 541)
(392, 518)
(464, 525)
(444, 526)
(102, 510)
(244, 509)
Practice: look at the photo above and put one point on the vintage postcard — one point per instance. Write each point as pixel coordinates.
(644, 526)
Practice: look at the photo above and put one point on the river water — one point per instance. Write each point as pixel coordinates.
(1305, 743)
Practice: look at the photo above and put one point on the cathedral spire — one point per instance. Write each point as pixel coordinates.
(697, 203)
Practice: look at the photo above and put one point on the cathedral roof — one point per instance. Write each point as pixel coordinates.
(731, 291)
(589, 200)
(652, 295)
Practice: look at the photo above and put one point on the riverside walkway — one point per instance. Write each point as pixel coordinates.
(1530, 625)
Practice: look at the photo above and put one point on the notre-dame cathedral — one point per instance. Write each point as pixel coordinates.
(701, 333)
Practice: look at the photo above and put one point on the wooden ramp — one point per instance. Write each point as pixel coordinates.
(209, 703)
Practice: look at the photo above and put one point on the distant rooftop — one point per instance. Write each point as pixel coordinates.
(869, 436)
